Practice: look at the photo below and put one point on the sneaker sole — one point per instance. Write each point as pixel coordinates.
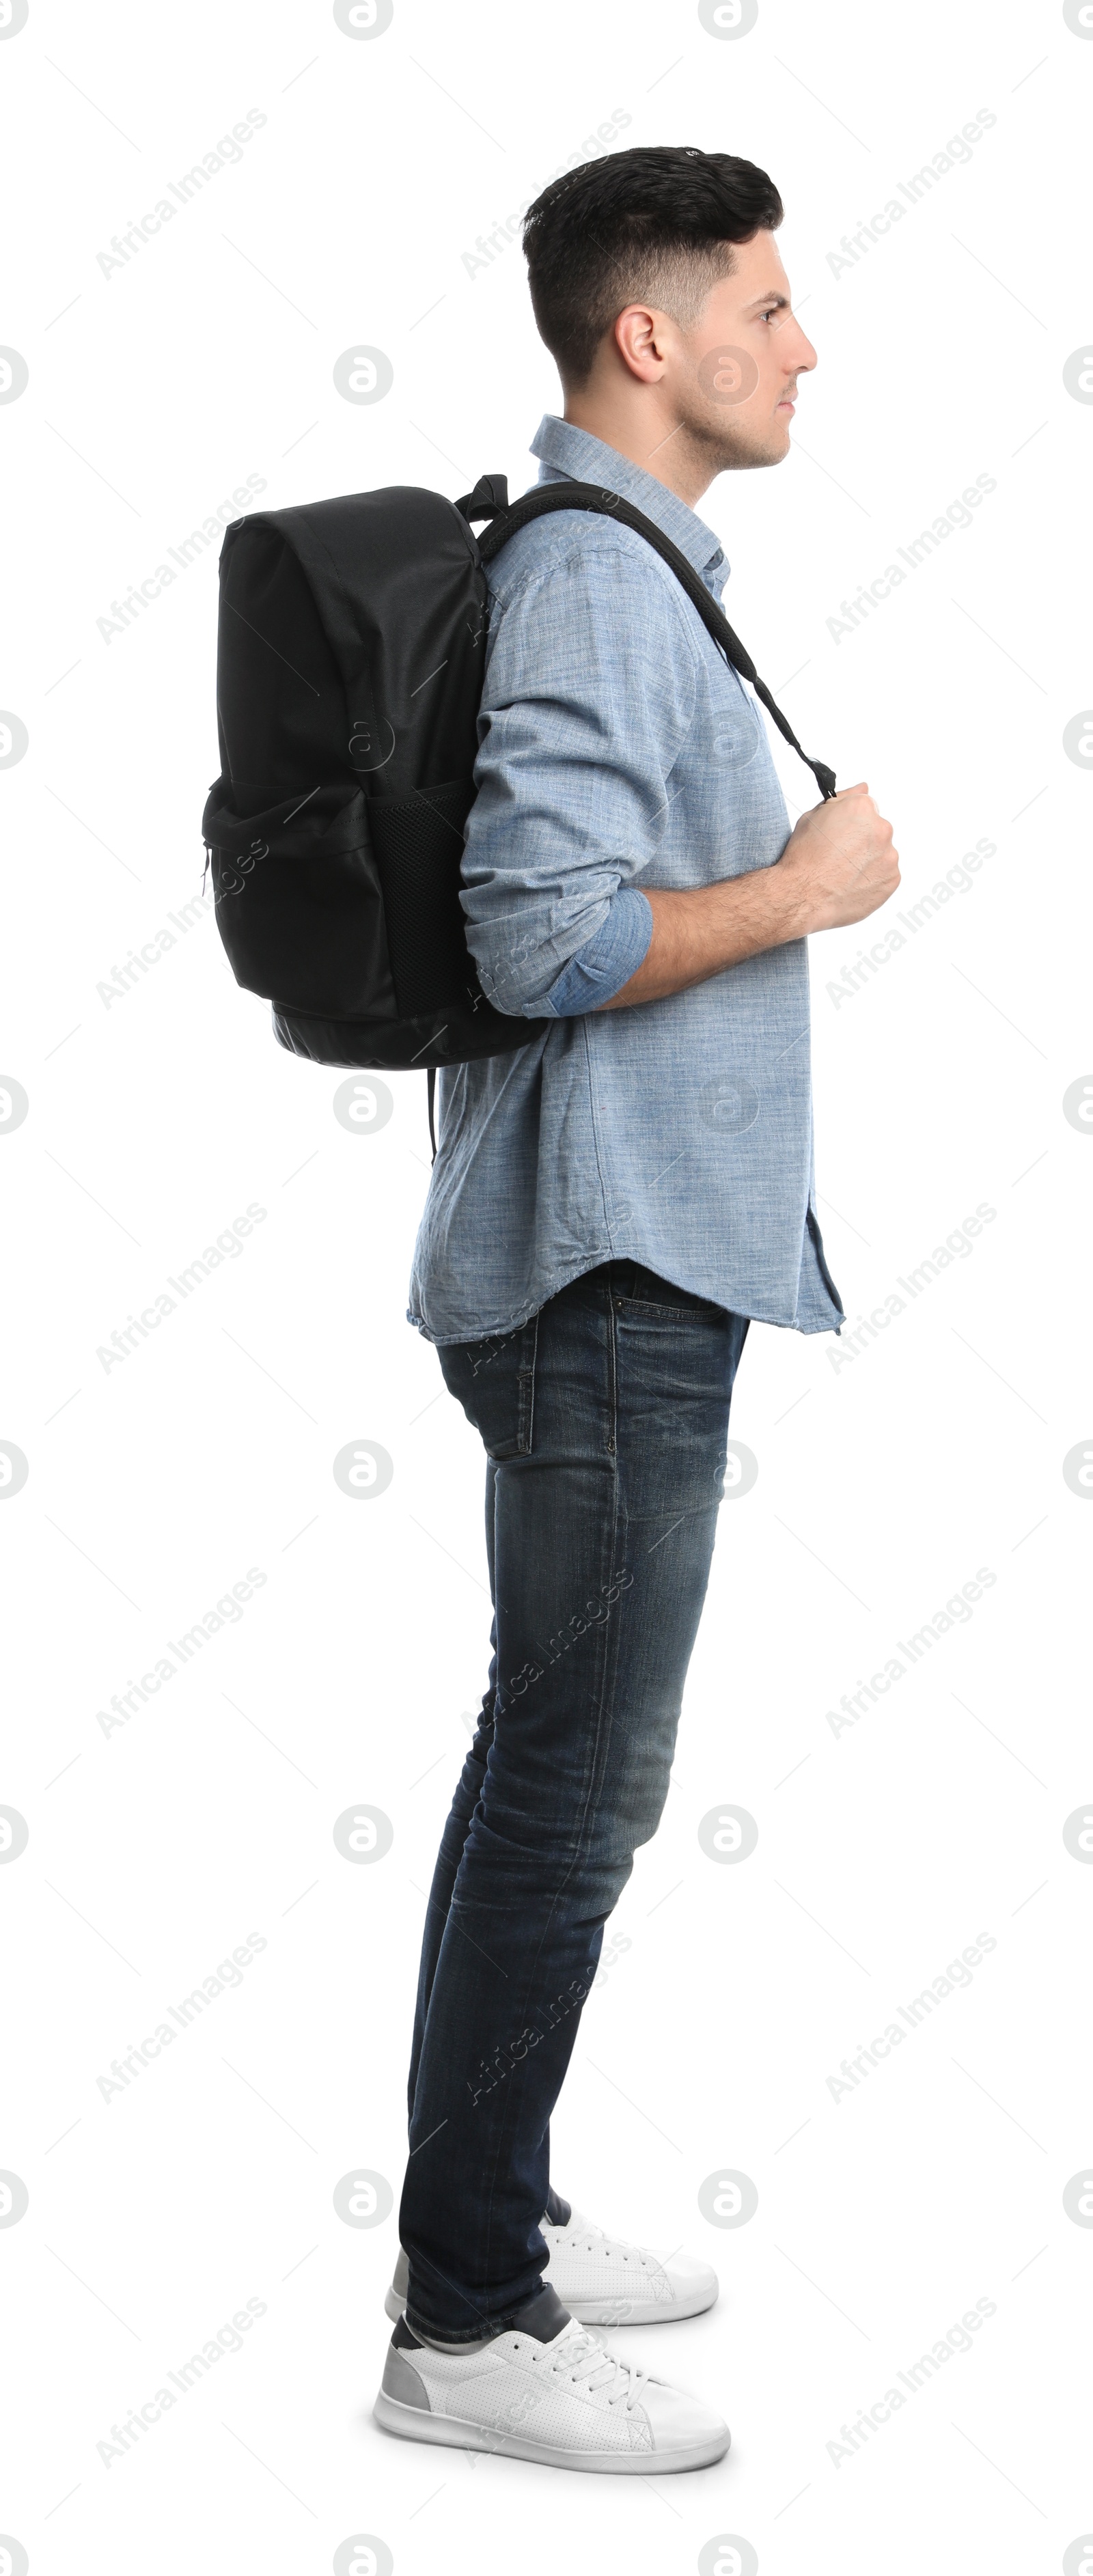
(590, 2312)
(412, 2424)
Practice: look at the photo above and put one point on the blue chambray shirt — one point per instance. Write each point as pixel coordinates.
(617, 750)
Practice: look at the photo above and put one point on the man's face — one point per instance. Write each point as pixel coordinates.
(730, 383)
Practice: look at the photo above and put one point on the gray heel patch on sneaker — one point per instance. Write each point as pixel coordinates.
(400, 2277)
(403, 2382)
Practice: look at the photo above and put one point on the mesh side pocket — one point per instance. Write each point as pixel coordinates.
(418, 843)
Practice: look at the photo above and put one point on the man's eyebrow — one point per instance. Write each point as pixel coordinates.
(782, 302)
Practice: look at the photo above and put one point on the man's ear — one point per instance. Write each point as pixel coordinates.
(639, 336)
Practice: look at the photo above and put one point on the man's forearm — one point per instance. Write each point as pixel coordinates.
(699, 933)
(838, 866)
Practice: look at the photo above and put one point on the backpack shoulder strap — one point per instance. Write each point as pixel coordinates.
(485, 502)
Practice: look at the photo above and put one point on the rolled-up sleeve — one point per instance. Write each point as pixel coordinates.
(589, 694)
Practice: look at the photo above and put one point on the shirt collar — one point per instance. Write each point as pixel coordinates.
(567, 453)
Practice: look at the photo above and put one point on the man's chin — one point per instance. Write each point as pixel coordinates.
(770, 449)
(776, 444)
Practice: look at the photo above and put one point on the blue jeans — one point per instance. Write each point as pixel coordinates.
(604, 1421)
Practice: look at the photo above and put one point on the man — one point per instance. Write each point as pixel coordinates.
(610, 1206)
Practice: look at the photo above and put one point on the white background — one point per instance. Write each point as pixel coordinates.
(884, 1484)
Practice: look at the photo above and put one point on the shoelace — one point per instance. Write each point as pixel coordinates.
(576, 2355)
(592, 2240)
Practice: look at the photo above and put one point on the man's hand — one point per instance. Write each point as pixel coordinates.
(838, 864)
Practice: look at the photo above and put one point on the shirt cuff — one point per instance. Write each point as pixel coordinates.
(606, 962)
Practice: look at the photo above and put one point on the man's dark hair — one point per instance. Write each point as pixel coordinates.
(654, 225)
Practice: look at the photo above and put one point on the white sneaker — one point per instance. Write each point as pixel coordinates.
(605, 2282)
(567, 2402)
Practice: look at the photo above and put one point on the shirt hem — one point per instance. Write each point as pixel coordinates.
(498, 1328)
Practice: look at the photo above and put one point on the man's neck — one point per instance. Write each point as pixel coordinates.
(668, 455)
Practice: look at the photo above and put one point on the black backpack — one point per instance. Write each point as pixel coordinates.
(350, 658)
